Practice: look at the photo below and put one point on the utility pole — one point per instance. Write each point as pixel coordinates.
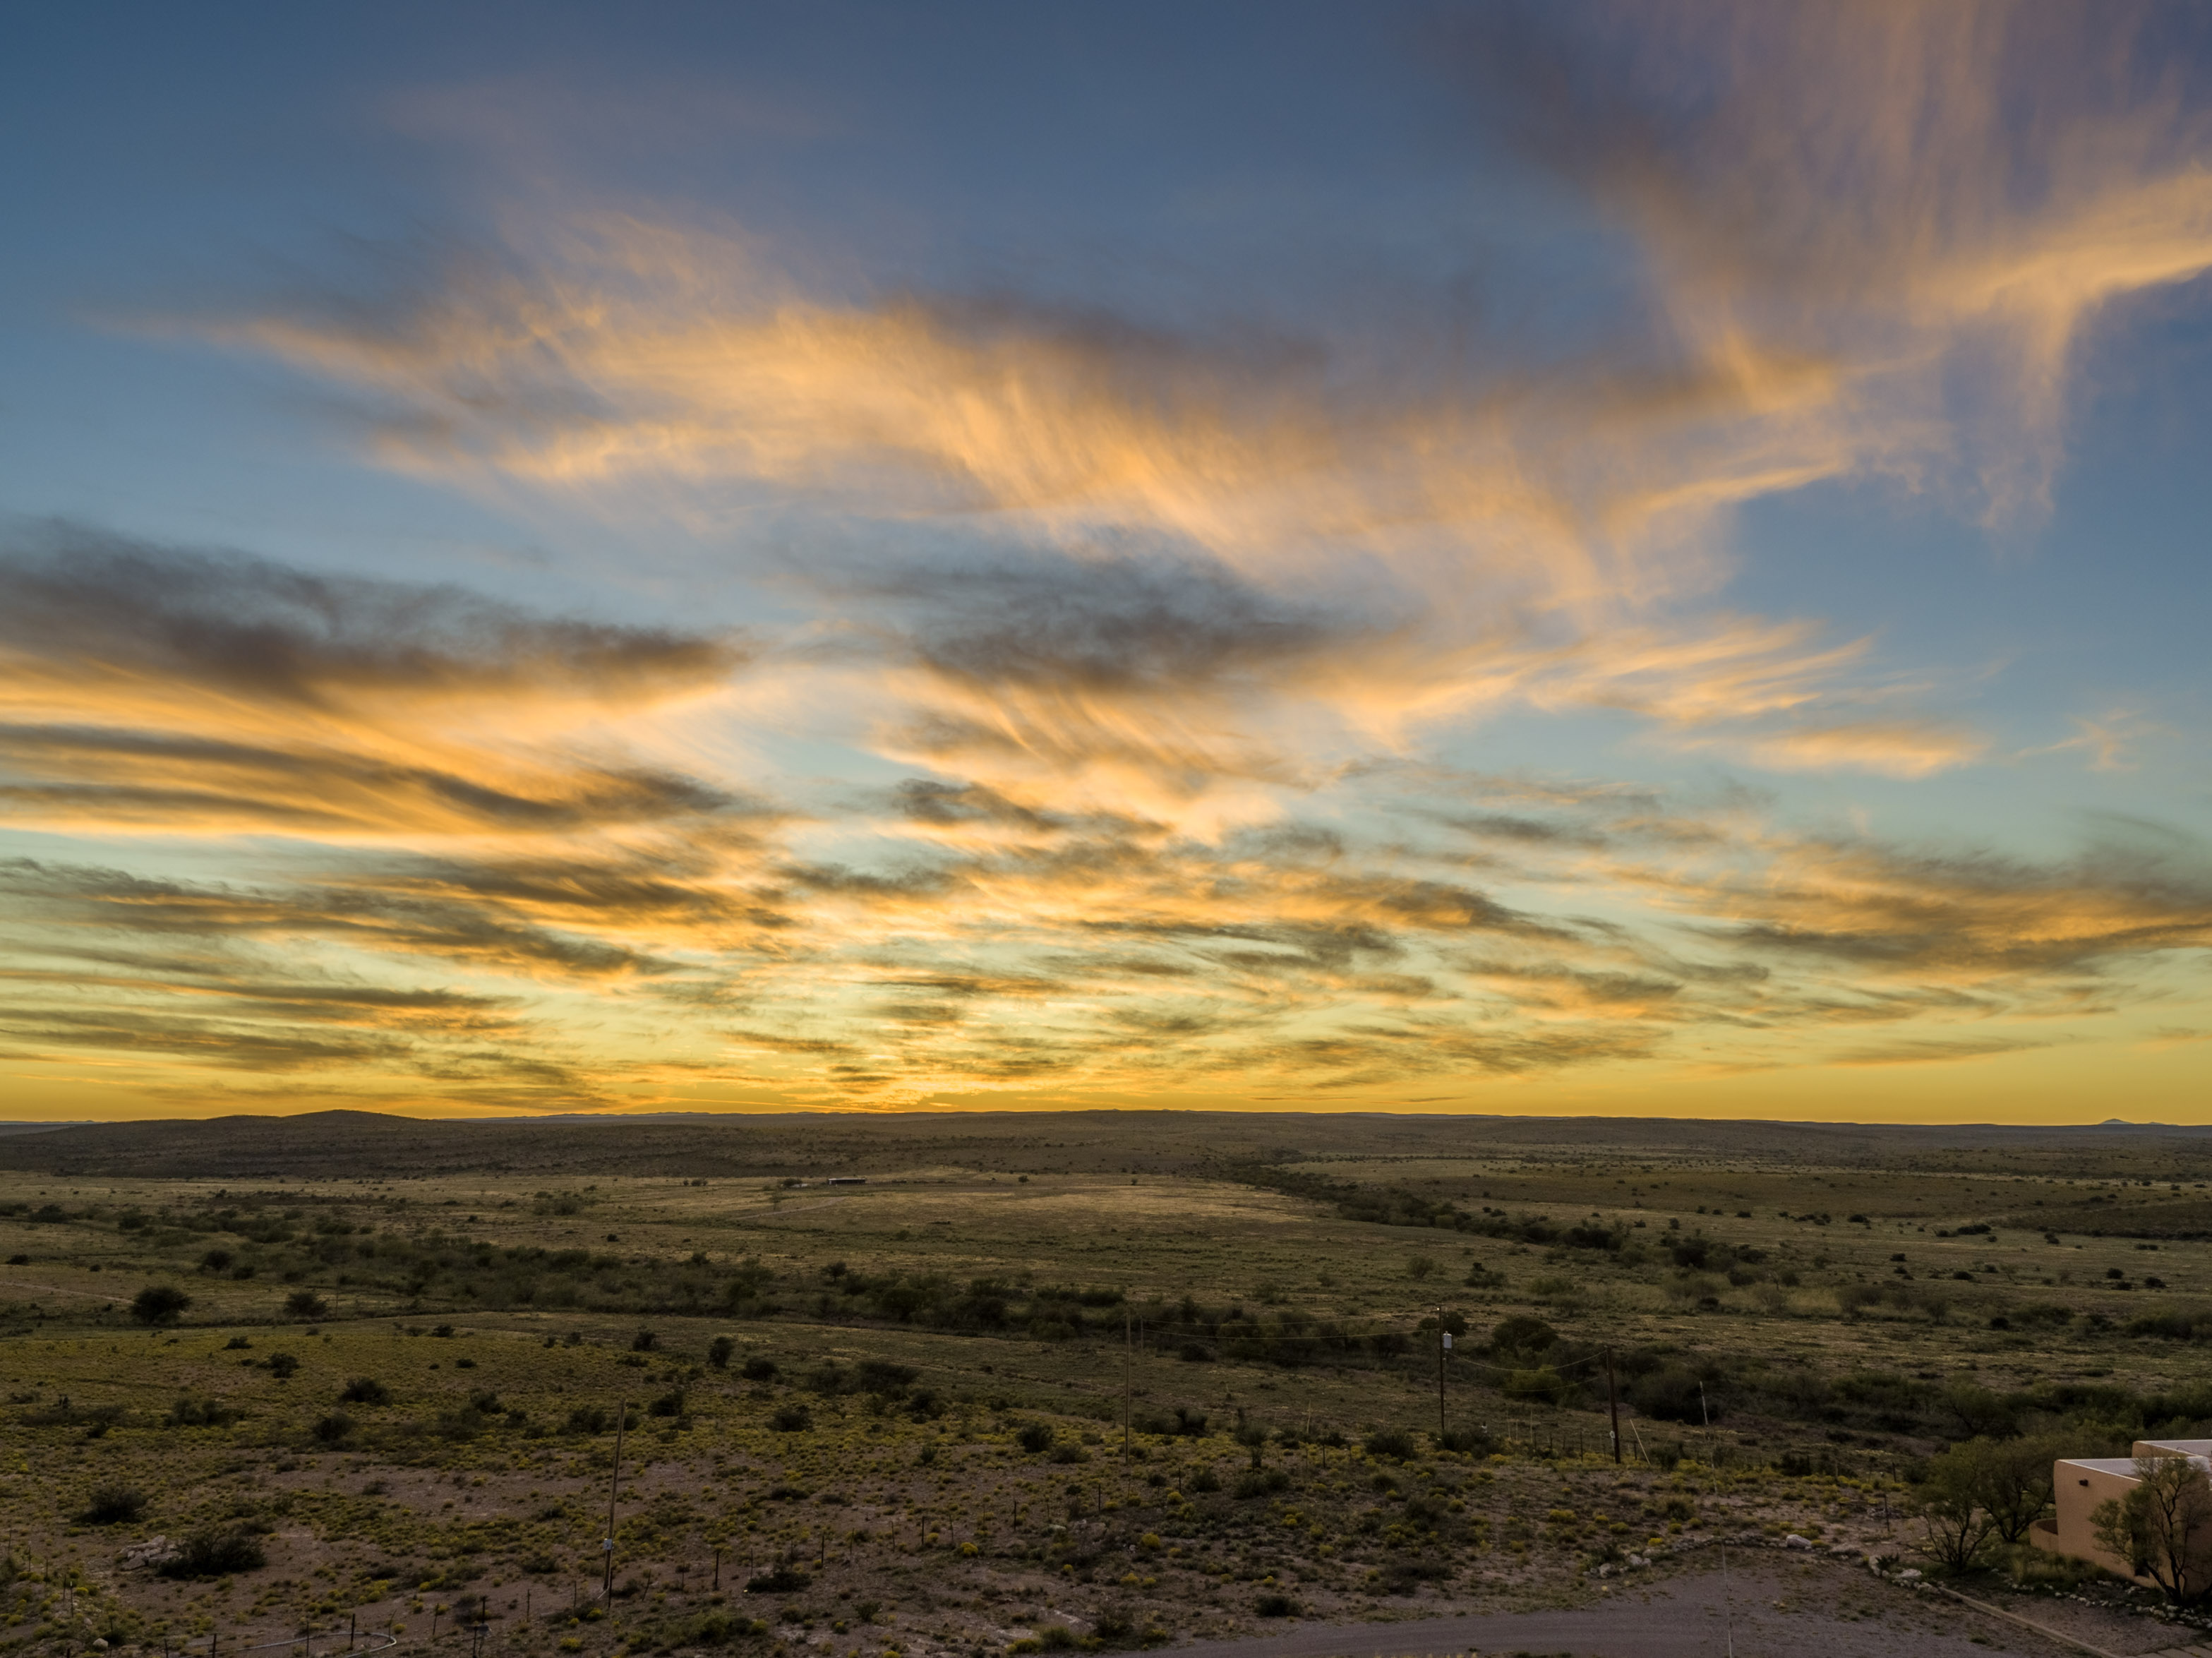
(614, 1491)
(1126, 1336)
(1443, 1346)
(1613, 1404)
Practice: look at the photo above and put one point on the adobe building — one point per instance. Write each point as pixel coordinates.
(2079, 1484)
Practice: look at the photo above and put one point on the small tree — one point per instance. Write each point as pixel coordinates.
(1254, 1438)
(1980, 1413)
(1953, 1523)
(2163, 1527)
(158, 1304)
(2016, 1484)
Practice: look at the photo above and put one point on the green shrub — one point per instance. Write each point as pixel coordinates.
(1183, 1422)
(719, 1352)
(365, 1390)
(785, 1579)
(1521, 1337)
(1542, 1385)
(1275, 1606)
(1033, 1437)
(216, 1553)
(877, 1375)
(716, 1628)
(334, 1429)
(791, 1419)
(306, 1304)
(113, 1505)
(1393, 1443)
(198, 1411)
(160, 1304)
(2176, 1324)
(1673, 1393)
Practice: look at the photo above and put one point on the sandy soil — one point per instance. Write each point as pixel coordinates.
(1807, 1609)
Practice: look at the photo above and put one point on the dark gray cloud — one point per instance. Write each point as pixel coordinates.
(396, 920)
(128, 776)
(1871, 905)
(1115, 624)
(229, 1044)
(1530, 831)
(80, 599)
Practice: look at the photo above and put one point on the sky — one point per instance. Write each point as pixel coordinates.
(1529, 559)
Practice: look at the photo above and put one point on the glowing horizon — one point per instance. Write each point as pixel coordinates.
(1523, 560)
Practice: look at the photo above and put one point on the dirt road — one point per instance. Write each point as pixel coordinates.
(1807, 1610)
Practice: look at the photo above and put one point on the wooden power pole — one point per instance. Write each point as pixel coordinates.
(1443, 1346)
(1613, 1404)
(1126, 1338)
(614, 1492)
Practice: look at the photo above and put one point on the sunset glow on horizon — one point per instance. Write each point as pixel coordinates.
(1533, 560)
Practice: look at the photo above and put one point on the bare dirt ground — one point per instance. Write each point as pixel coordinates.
(988, 1408)
(1770, 1610)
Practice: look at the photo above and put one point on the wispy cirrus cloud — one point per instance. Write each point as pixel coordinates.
(166, 690)
(1935, 200)
(1147, 637)
(1466, 532)
(87, 609)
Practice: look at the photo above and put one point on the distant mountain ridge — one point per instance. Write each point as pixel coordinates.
(334, 1145)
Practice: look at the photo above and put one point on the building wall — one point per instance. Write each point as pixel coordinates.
(2079, 1485)
(2077, 1489)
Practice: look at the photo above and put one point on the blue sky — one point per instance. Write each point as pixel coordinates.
(1559, 558)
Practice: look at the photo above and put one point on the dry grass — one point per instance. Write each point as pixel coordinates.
(926, 1528)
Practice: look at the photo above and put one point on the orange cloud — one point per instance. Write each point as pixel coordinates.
(1170, 617)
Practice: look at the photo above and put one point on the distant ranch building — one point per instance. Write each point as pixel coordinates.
(2081, 1485)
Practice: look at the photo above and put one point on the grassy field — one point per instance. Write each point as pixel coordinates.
(1098, 1383)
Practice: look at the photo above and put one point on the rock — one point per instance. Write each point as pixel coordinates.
(154, 1552)
(1794, 1541)
(1605, 1571)
(1908, 1575)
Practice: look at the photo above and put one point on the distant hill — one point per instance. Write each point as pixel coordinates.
(342, 1143)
